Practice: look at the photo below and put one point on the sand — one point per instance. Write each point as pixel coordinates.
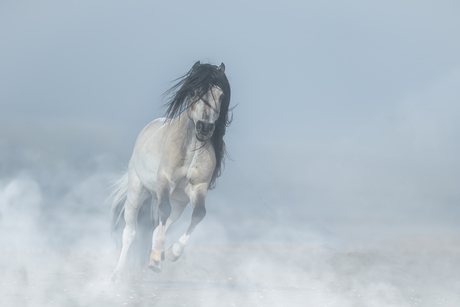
(417, 271)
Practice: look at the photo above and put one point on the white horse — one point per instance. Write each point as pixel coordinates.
(175, 161)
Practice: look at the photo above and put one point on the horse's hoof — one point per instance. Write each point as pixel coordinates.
(155, 266)
(170, 255)
(116, 278)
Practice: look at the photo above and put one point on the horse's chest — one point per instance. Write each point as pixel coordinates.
(182, 177)
(195, 169)
(186, 171)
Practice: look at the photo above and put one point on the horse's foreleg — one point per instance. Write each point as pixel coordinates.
(135, 197)
(197, 195)
(164, 211)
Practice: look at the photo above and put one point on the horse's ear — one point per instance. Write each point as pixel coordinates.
(221, 68)
(195, 66)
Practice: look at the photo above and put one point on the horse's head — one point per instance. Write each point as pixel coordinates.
(204, 93)
(204, 112)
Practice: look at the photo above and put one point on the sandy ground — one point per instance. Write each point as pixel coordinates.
(419, 271)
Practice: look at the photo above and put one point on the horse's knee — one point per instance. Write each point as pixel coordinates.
(198, 214)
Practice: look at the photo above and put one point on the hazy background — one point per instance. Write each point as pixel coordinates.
(346, 131)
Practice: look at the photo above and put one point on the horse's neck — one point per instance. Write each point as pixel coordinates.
(183, 122)
(182, 132)
(184, 136)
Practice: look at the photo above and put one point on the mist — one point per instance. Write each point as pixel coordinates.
(341, 186)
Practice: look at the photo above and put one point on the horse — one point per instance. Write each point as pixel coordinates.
(176, 160)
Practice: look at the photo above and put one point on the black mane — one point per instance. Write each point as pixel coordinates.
(196, 83)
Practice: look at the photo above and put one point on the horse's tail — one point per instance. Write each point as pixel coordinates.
(118, 207)
(147, 220)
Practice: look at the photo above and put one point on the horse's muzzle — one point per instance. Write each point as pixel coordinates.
(204, 130)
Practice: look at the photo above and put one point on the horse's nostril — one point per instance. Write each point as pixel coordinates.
(208, 127)
(205, 128)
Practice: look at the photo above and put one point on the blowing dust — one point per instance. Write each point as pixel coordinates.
(56, 249)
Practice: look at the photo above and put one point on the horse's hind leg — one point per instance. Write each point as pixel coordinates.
(135, 197)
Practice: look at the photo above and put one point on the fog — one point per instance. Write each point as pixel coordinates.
(341, 186)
